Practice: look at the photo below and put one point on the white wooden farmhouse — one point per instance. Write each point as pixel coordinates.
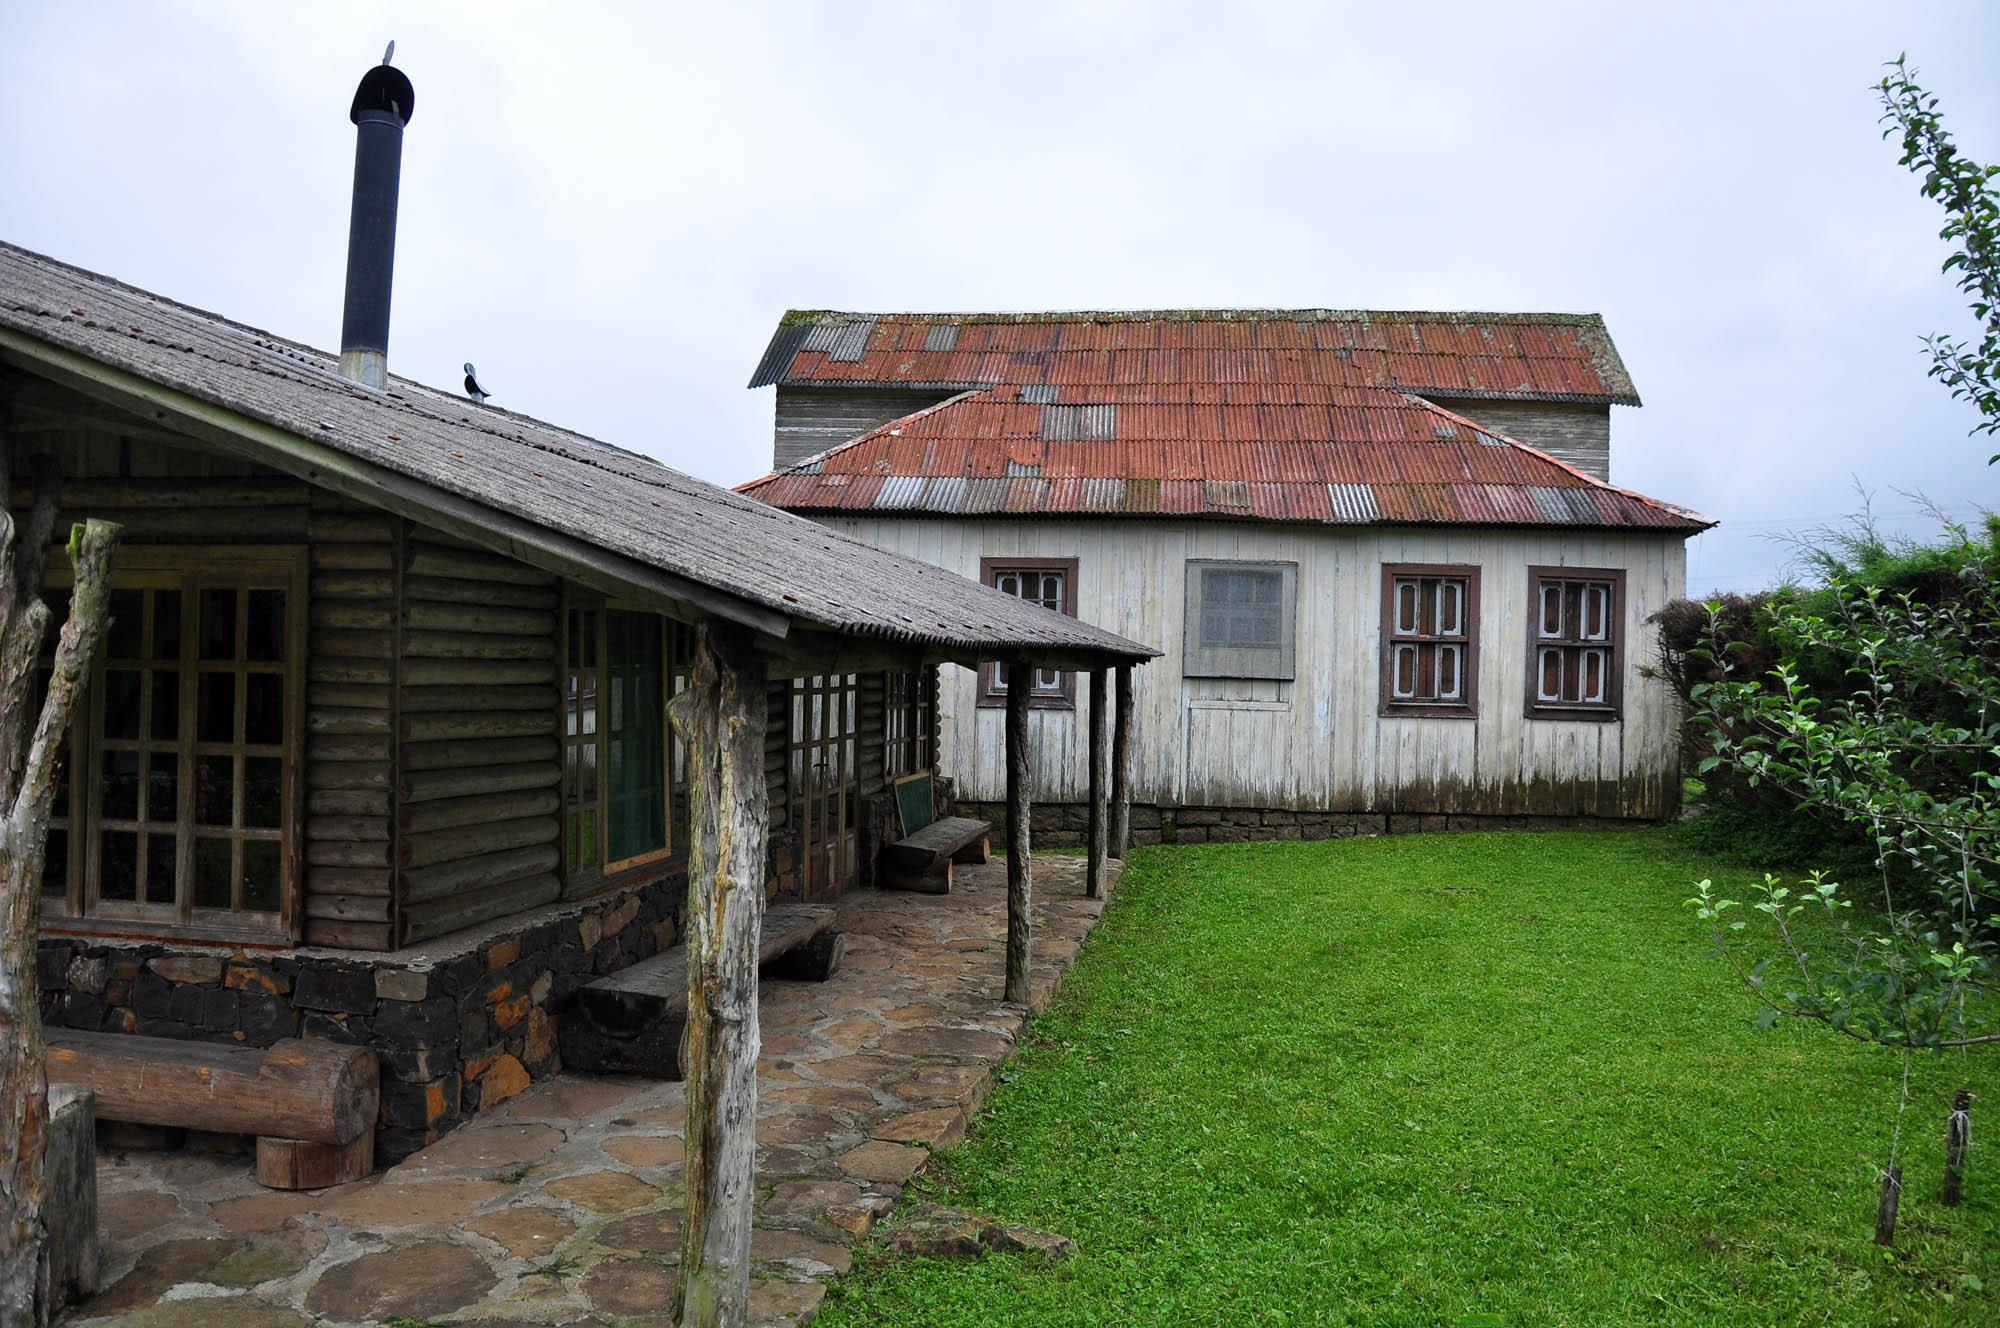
(1395, 587)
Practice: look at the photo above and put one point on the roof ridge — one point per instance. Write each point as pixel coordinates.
(807, 317)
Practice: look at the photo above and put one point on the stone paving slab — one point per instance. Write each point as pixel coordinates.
(563, 1207)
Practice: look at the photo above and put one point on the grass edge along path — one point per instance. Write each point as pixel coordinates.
(1456, 1081)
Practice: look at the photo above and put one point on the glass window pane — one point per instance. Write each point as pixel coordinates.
(128, 620)
(218, 624)
(264, 708)
(263, 870)
(117, 865)
(121, 703)
(216, 708)
(166, 624)
(118, 795)
(166, 705)
(214, 790)
(263, 792)
(163, 771)
(265, 628)
(161, 851)
(55, 863)
(213, 872)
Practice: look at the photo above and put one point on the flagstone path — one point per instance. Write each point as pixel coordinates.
(563, 1207)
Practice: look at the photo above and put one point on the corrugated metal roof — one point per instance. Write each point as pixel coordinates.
(531, 477)
(1522, 356)
(1362, 455)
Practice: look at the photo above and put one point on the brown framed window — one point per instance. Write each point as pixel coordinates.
(1575, 642)
(1051, 583)
(188, 735)
(617, 798)
(1430, 640)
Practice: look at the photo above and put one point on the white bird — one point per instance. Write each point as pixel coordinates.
(472, 387)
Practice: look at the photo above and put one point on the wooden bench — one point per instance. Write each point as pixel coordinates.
(634, 1021)
(312, 1105)
(921, 860)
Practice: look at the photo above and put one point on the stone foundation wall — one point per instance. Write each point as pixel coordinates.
(461, 1024)
(1064, 824)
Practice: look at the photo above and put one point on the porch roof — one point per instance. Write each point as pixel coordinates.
(545, 495)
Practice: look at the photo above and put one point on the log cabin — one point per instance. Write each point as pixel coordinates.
(1393, 582)
(378, 749)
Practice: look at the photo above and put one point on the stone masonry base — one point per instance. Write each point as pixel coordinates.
(1063, 824)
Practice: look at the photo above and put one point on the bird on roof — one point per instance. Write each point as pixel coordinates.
(472, 387)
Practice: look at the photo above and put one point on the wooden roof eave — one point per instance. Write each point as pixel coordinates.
(317, 463)
(810, 651)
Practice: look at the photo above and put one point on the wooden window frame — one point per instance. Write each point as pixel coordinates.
(191, 569)
(1198, 661)
(604, 871)
(1612, 708)
(993, 692)
(1468, 706)
(909, 709)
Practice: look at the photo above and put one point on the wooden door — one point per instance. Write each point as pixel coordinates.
(822, 770)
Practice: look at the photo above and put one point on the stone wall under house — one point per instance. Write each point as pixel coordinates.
(461, 1024)
(1064, 824)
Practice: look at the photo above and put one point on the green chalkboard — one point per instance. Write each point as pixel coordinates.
(913, 802)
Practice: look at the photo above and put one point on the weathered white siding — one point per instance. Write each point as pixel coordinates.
(1317, 743)
(1568, 431)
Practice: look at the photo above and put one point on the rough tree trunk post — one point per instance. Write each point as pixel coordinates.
(1100, 783)
(26, 1293)
(721, 718)
(1020, 877)
(1885, 1211)
(1121, 767)
(1957, 1138)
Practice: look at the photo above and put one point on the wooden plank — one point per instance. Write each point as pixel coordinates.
(1020, 872)
(347, 747)
(347, 853)
(469, 645)
(428, 699)
(347, 827)
(354, 585)
(353, 557)
(349, 908)
(453, 843)
(476, 752)
(347, 802)
(421, 921)
(483, 808)
(352, 614)
(322, 1091)
(348, 935)
(352, 528)
(454, 725)
(349, 695)
(335, 670)
(228, 491)
(349, 880)
(477, 672)
(348, 776)
(660, 983)
(352, 645)
(347, 719)
(299, 1164)
(481, 618)
(434, 560)
(426, 785)
(918, 854)
(452, 590)
(423, 885)
(263, 525)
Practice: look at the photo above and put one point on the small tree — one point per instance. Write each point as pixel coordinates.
(30, 765)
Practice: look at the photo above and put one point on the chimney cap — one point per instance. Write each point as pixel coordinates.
(384, 89)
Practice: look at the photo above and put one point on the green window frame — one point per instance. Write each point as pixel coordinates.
(618, 810)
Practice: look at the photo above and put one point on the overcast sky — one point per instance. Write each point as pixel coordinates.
(609, 210)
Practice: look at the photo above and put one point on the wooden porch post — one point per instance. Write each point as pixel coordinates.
(1020, 882)
(1100, 780)
(1121, 767)
(721, 718)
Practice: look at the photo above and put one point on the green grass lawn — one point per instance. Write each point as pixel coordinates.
(1479, 1080)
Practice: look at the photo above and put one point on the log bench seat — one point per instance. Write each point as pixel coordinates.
(311, 1104)
(634, 1021)
(922, 861)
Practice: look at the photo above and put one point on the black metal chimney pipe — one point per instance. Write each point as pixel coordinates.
(383, 104)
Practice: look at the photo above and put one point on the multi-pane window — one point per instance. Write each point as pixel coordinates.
(1430, 619)
(188, 736)
(1051, 583)
(1573, 647)
(1239, 619)
(910, 702)
(614, 738)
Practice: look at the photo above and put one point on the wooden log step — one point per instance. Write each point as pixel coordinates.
(476, 672)
(348, 776)
(426, 884)
(348, 719)
(300, 1164)
(452, 590)
(479, 809)
(424, 700)
(341, 935)
(325, 1092)
(424, 615)
(476, 752)
(473, 645)
(465, 564)
(459, 842)
(349, 908)
(421, 921)
(347, 802)
(427, 785)
(451, 725)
